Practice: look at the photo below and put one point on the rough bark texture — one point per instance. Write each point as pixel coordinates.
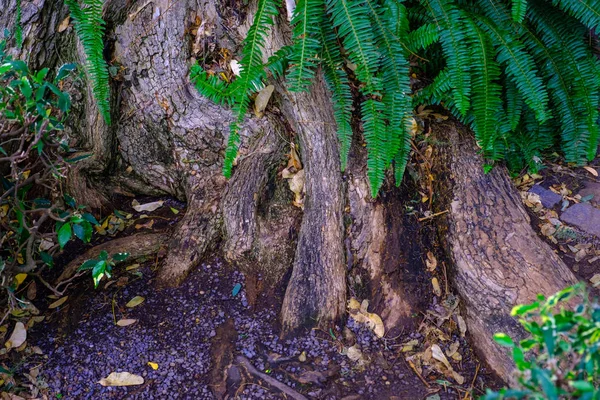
(384, 242)
(499, 261)
(317, 288)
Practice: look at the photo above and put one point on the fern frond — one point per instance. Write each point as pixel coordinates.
(89, 27)
(579, 71)
(513, 104)
(351, 19)
(278, 63)
(210, 85)
(337, 81)
(519, 9)
(307, 20)
(450, 22)
(396, 100)
(586, 11)
(486, 99)
(422, 37)
(519, 65)
(251, 75)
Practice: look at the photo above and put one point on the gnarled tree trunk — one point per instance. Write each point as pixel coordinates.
(498, 260)
(173, 139)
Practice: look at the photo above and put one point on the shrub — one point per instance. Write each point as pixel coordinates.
(560, 358)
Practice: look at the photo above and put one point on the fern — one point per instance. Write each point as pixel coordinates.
(337, 81)
(307, 20)
(354, 29)
(251, 75)
(90, 26)
(519, 73)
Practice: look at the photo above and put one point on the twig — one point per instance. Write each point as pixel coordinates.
(243, 361)
(473, 381)
(410, 363)
(433, 215)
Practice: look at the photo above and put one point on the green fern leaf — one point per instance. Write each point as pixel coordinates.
(307, 20)
(337, 81)
(210, 86)
(89, 27)
(519, 9)
(251, 75)
(586, 11)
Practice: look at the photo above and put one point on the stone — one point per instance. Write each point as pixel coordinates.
(591, 188)
(583, 216)
(548, 198)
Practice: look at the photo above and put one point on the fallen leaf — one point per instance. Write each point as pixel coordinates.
(149, 207)
(32, 290)
(591, 171)
(436, 287)
(153, 365)
(126, 322)
(18, 336)
(132, 266)
(302, 357)
(462, 325)
(136, 301)
(64, 24)
(354, 353)
(359, 314)
(595, 280)
(431, 262)
(58, 302)
(20, 278)
(174, 211)
(262, 100)
(147, 225)
(235, 67)
(121, 379)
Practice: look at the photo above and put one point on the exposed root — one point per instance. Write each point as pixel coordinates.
(136, 245)
(244, 362)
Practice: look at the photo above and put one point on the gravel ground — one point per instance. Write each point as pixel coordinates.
(176, 329)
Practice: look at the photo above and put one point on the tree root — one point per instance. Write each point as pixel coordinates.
(136, 245)
(244, 362)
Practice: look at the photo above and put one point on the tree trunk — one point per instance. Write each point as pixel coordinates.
(499, 261)
(166, 139)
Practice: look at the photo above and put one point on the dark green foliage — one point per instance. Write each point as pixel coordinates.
(18, 27)
(560, 358)
(520, 73)
(89, 26)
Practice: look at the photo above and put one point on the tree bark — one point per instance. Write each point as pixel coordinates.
(499, 261)
(166, 139)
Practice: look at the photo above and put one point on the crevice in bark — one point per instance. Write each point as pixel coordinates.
(498, 259)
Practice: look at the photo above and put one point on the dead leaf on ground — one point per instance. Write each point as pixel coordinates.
(147, 225)
(121, 379)
(595, 280)
(591, 171)
(436, 287)
(153, 365)
(149, 207)
(136, 301)
(358, 312)
(431, 262)
(18, 336)
(126, 322)
(31, 290)
(58, 302)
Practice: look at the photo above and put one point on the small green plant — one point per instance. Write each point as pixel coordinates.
(37, 217)
(102, 265)
(560, 359)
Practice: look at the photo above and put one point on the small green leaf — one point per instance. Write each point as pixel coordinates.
(47, 259)
(89, 264)
(64, 235)
(582, 386)
(79, 232)
(504, 340)
(90, 218)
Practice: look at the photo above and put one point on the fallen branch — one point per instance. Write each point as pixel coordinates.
(244, 362)
(136, 245)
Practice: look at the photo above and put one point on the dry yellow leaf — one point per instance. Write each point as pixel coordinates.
(58, 302)
(136, 301)
(64, 24)
(20, 278)
(153, 365)
(126, 322)
(436, 287)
